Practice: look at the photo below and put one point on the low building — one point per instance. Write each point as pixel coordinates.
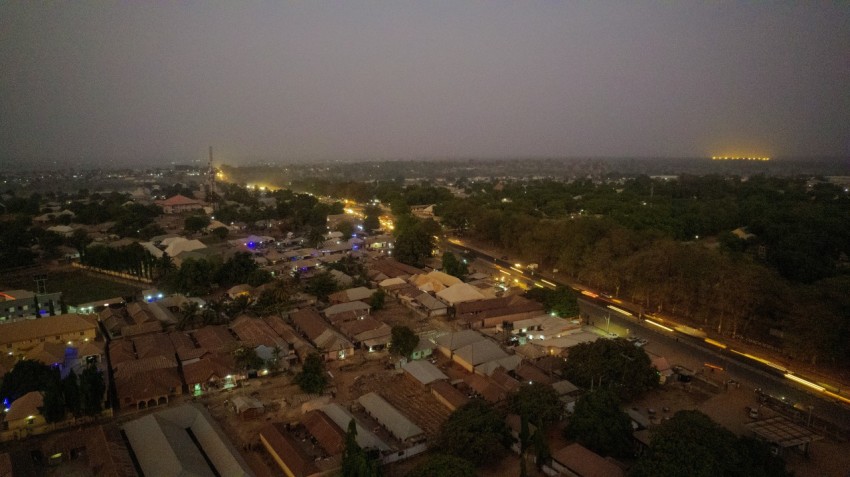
(576, 460)
(423, 372)
(448, 395)
(492, 312)
(351, 294)
(328, 342)
(17, 304)
(356, 309)
(179, 204)
(18, 337)
(366, 439)
(389, 417)
(184, 440)
(24, 415)
(460, 293)
(286, 452)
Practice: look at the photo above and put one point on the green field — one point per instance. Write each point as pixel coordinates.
(77, 287)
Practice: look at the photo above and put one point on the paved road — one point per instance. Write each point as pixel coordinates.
(680, 350)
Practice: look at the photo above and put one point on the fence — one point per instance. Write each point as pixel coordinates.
(113, 273)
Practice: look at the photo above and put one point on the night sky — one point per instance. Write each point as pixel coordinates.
(133, 82)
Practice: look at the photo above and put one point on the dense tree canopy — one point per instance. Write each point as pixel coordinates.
(538, 403)
(611, 364)
(414, 243)
(562, 301)
(475, 432)
(650, 241)
(196, 223)
(454, 266)
(692, 444)
(403, 341)
(312, 379)
(600, 425)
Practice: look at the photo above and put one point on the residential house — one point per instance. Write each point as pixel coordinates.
(448, 395)
(491, 312)
(356, 309)
(350, 295)
(179, 204)
(460, 293)
(183, 440)
(390, 418)
(576, 460)
(24, 415)
(329, 343)
(286, 451)
(17, 304)
(18, 337)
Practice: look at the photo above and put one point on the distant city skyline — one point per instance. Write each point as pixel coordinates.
(89, 83)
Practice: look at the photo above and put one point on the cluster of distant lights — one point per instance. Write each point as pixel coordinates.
(739, 158)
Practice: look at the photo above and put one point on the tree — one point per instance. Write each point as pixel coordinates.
(403, 341)
(372, 220)
(613, 364)
(189, 312)
(453, 266)
(220, 232)
(196, 223)
(259, 277)
(355, 462)
(312, 379)
(92, 389)
(538, 403)
(475, 432)
(376, 301)
(238, 305)
(53, 407)
(690, 443)
(413, 245)
(561, 301)
(345, 228)
(321, 285)
(276, 298)
(237, 270)
(27, 375)
(444, 466)
(246, 358)
(71, 393)
(600, 425)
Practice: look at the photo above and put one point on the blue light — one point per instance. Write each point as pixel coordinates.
(251, 245)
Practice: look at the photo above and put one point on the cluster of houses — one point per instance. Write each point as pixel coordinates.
(483, 359)
(504, 340)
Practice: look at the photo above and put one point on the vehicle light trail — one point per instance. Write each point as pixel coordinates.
(589, 293)
(620, 310)
(659, 325)
(761, 360)
(715, 343)
(804, 382)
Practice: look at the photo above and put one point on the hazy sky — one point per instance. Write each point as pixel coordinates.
(162, 81)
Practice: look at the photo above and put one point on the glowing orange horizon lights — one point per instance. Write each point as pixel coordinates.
(740, 158)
